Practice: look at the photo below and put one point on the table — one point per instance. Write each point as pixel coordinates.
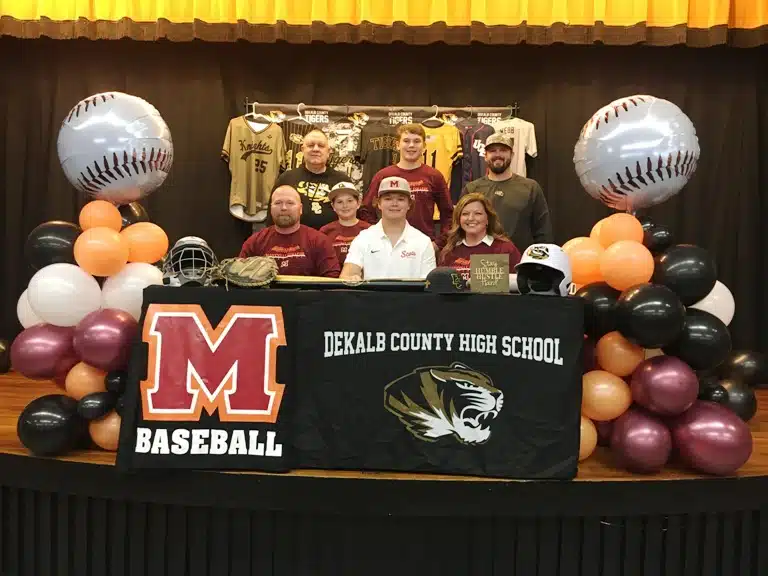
(77, 515)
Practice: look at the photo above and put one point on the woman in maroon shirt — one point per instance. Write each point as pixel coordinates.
(475, 230)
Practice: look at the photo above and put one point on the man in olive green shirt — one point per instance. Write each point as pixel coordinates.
(518, 201)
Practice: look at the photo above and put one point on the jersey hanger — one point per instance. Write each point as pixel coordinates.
(434, 119)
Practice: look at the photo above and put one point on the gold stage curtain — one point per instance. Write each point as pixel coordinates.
(657, 22)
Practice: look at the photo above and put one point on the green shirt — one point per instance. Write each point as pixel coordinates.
(521, 207)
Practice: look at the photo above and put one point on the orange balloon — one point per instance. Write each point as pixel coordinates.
(604, 396)
(595, 232)
(587, 438)
(105, 432)
(584, 254)
(617, 355)
(147, 242)
(619, 227)
(100, 213)
(626, 263)
(84, 379)
(101, 251)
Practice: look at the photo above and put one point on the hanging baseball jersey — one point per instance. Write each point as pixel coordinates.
(524, 135)
(344, 142)
(443, 149)
(294, 132)
(378, 149)
(473, 134)
(255, 159)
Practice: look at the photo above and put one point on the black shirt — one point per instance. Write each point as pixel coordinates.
(313, 189)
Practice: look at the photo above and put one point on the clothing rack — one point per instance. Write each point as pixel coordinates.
(512, 110)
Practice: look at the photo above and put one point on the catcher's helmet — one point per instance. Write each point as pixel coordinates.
(189, 261)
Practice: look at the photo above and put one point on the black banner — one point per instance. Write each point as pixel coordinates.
(277, 379)
(479, 384)
(210, 385)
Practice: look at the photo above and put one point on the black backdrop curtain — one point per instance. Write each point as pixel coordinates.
(198, 87)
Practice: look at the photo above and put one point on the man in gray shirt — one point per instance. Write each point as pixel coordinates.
(518, 201)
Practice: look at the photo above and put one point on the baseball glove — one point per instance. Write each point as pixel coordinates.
(246, 272)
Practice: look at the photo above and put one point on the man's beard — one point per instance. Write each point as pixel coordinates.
(285, 221)
(499, 169)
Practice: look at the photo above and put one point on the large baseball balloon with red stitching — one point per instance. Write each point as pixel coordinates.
(115, 146)
(636, 152)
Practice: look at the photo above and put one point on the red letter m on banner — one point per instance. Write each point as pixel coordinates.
(193, 366)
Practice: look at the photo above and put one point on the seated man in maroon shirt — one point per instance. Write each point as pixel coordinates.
(298, 249)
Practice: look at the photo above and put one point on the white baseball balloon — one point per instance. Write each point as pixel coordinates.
(24, 312)
(636, 152)
(63, 294)
(115, 147)
(719, 302)
(125, 290)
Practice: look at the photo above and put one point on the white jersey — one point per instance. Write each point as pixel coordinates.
(524, 135)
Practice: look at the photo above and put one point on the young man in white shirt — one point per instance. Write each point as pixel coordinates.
(391, 248)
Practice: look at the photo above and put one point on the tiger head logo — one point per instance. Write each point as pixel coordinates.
(437, 401)
(359, 118)
(277, 115)
(450, 118)
(538, 252)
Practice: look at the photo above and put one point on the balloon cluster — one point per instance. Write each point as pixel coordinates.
(660, 379)
(80, 315)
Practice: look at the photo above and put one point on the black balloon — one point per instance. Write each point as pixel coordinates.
(5, 356)
(646, 222)
(741, 399)
(51, 426)
(713, 393)
(657, 238)
(707, 378)
(688, 270)
(650, 315)
(51, 243)
(704, 342)
(746, 366)
(132, 213)
(120, 404)
(599, 308)
(115, 382)
(96, 405)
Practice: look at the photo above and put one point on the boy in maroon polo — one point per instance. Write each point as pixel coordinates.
(345, 201)
(298, 249)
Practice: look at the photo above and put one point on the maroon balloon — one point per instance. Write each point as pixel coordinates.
(640, 441)
(604, 431)
(44, 351)
(103, 338)
(664, 385)
(712, 439)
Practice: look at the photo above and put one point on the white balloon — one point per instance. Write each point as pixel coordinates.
(115, 147)
(125, 290)
(636, 152)
(24, 312)
(63, 294)
(651, 352)
(719, 302)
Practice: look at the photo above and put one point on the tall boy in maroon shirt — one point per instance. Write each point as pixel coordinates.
(428, 186)
(298, 249)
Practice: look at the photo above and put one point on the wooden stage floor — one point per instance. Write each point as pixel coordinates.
(16, 392)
